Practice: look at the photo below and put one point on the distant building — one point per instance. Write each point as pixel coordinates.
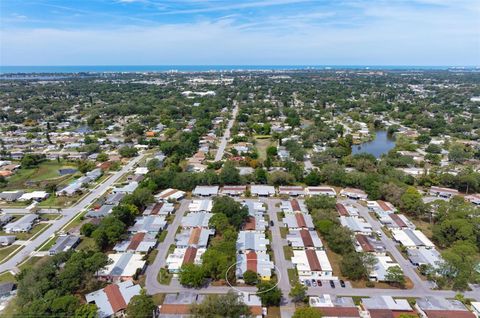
(293, 191)
(355, 194)
(443, 192)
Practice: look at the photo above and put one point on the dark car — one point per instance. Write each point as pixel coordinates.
(271, 223)
(308, 283)
(332, 284)
(342, 283)
(319, 282)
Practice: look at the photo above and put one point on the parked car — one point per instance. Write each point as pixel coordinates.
(308, 283)
(314, 283)
(271, 223)
(332, 284)
(302, 282)
(342, 283)
(379, 233)
(319, 282)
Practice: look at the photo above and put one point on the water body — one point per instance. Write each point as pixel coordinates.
(382, 143)
(200, 68)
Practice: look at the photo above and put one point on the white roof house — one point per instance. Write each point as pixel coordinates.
(304, 239)
(199, 219)
(386, 303)
(380, 269)
(128, 188)
(233, 190)
(381, 207)
(35, 195)
(259, 263)
(123, 266)
(181, 256)
(205, 191)
(396, 221)
(252, 241)
(356, 225)
(312, 264)
(425, 256)
(255, 223)
(353, 193)
(443, 192)
(24, 224)
(411, 238)
(262, 190)
(298, 221)
(141, 170)
(255, 208)
(148, 224)
(114, 298)
(321, 191)
(137, 243)
(346, 210)
(170, 194)
(291, 190)
(196, 237)
(292, 206)
(204, 205)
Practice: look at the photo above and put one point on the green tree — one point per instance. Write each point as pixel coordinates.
(411, 202)
(86, 311)
(278, 178)
(395, 276)
(141, 306)
(128, 152)
(271, 151)
(460, 263)
(307, 312)
(352, 266)
(260, 175)
(298, 292)
(269, 293)
(219, 222)
(192, 275)
(229, 174)
(229, 305)
(233, 210)
(102, 157)
(250, 277)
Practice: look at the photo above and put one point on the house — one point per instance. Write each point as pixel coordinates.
(7, 240)
(182, 256)
(381, 207)
(101, 212)
(255, 224)
(11, 196)
(148, 224)
(473, 198)
(476, 308)
(334, 306)
(197, 237)
(205, 191)
(380, 269)
(329, 191)
(293, 206)
(5, 218)
(346, 210)
(199, 219)
(112, 300)
(64, 243)
(353, 193)
(425, 256)
(126, 189)
(114, 198)
(137, 243)
(283, 154)
(251, 241)
(178, 305)
(396, 221)
(160, 208)
(170, 194)
(7, 289)
(255, 208)
(262, 190)
(24, 224)
(436, 307)
(254, 303)
(385, 307)
(233, 190)
(356, 224)
(204, 205)
(446, 193)
(369, 244)
(122, 266)
(293, 191)
(411, 238)
(35, 195)
(312, 264)
(304, 239)
(298, 221)
(259, 263)
(242, 148)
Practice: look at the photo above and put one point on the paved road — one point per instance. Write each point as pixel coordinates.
(151, 283)
(226, 135)
(68, 214)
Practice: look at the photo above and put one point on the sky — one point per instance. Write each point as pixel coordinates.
(241, 32)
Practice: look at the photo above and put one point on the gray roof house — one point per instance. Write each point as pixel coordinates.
(64, 243)
(24, 224)
(7, 240)
(127, 189)
(262, 190)
(252, 241)
(205, 191)
(198, 219)
(196, 237)
(425, 256)
(113, 299)
(148, 224)
(103, 211)
(11, 196)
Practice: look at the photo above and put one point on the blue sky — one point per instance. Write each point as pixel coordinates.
(314, 32)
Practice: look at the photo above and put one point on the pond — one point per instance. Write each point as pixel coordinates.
(382, 143)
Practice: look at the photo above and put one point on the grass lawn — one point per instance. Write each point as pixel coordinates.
(63, 201)
(35, 231)
(262, 143)
(164, 277)
(11, 309)
(75, 222)
(32, 261)
(162, 236)
(158, 299)
(280, 216)
(7, 277)
(423, 226)
(292, 275)
(273, 312)
(50, 216)
(47, 170)
(87, 243)
(288, 252)
(49, 244)
(283, 232)
(151, 257)
(5, 251)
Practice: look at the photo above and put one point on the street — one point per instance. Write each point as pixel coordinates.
(226, 135)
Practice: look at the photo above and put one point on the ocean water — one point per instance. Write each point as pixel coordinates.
(197, 68)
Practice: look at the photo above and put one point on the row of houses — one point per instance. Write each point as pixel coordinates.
(22, 196)
(262, 191)
(77, 185)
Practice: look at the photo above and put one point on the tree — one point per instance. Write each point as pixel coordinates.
(313, 179)
(459, 153)
(278, 178)
(219, 222)
(250, 277)
(459, 266)
(86, 311)
(31, 161)
(141, 306)
(102, 157)
(192, 275)
(235, 212)
(128, 152)
(411, 201)
(269, 293)
(271, 151)
(424, 139)
(352, 266)
(395, 275)
(229, 174)
(340, 240)
(229, 305)
(141, 197)
(260, 175)
(298, 292)
(307, 312)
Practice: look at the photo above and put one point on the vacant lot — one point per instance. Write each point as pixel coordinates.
(35, 177)
(262, 144)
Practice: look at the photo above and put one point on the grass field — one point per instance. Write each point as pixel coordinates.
(288, 252)
(5, 251)
(262, 144)
(87, 243)
(283, 232)
(7, 277)
(25, 236)
(47, 170)
(164, 277)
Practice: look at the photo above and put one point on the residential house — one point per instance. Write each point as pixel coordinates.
(140, 242)
(64, 243)
(304, 239)
(262, 190)
(312, 264)
(385, 307)
(197, 237)
(255, 224)
(369, 244)
(298, 221)
(353, 193)
(412, 238)
(293, 206)
(446, 193)
(182, 256)
(356, 224)
(198, 219)
(122, 266)
(346, 210)
(436, 307)
(380, 269)
(112, 300)
(205, 191)
(233, 190)
(170, 195)
(425, 256)
(329, 191)
(251, 241)
(152, 224)
(24, 224)
(334, 306)
(204, 205)
(293, 191)
(259, 263)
